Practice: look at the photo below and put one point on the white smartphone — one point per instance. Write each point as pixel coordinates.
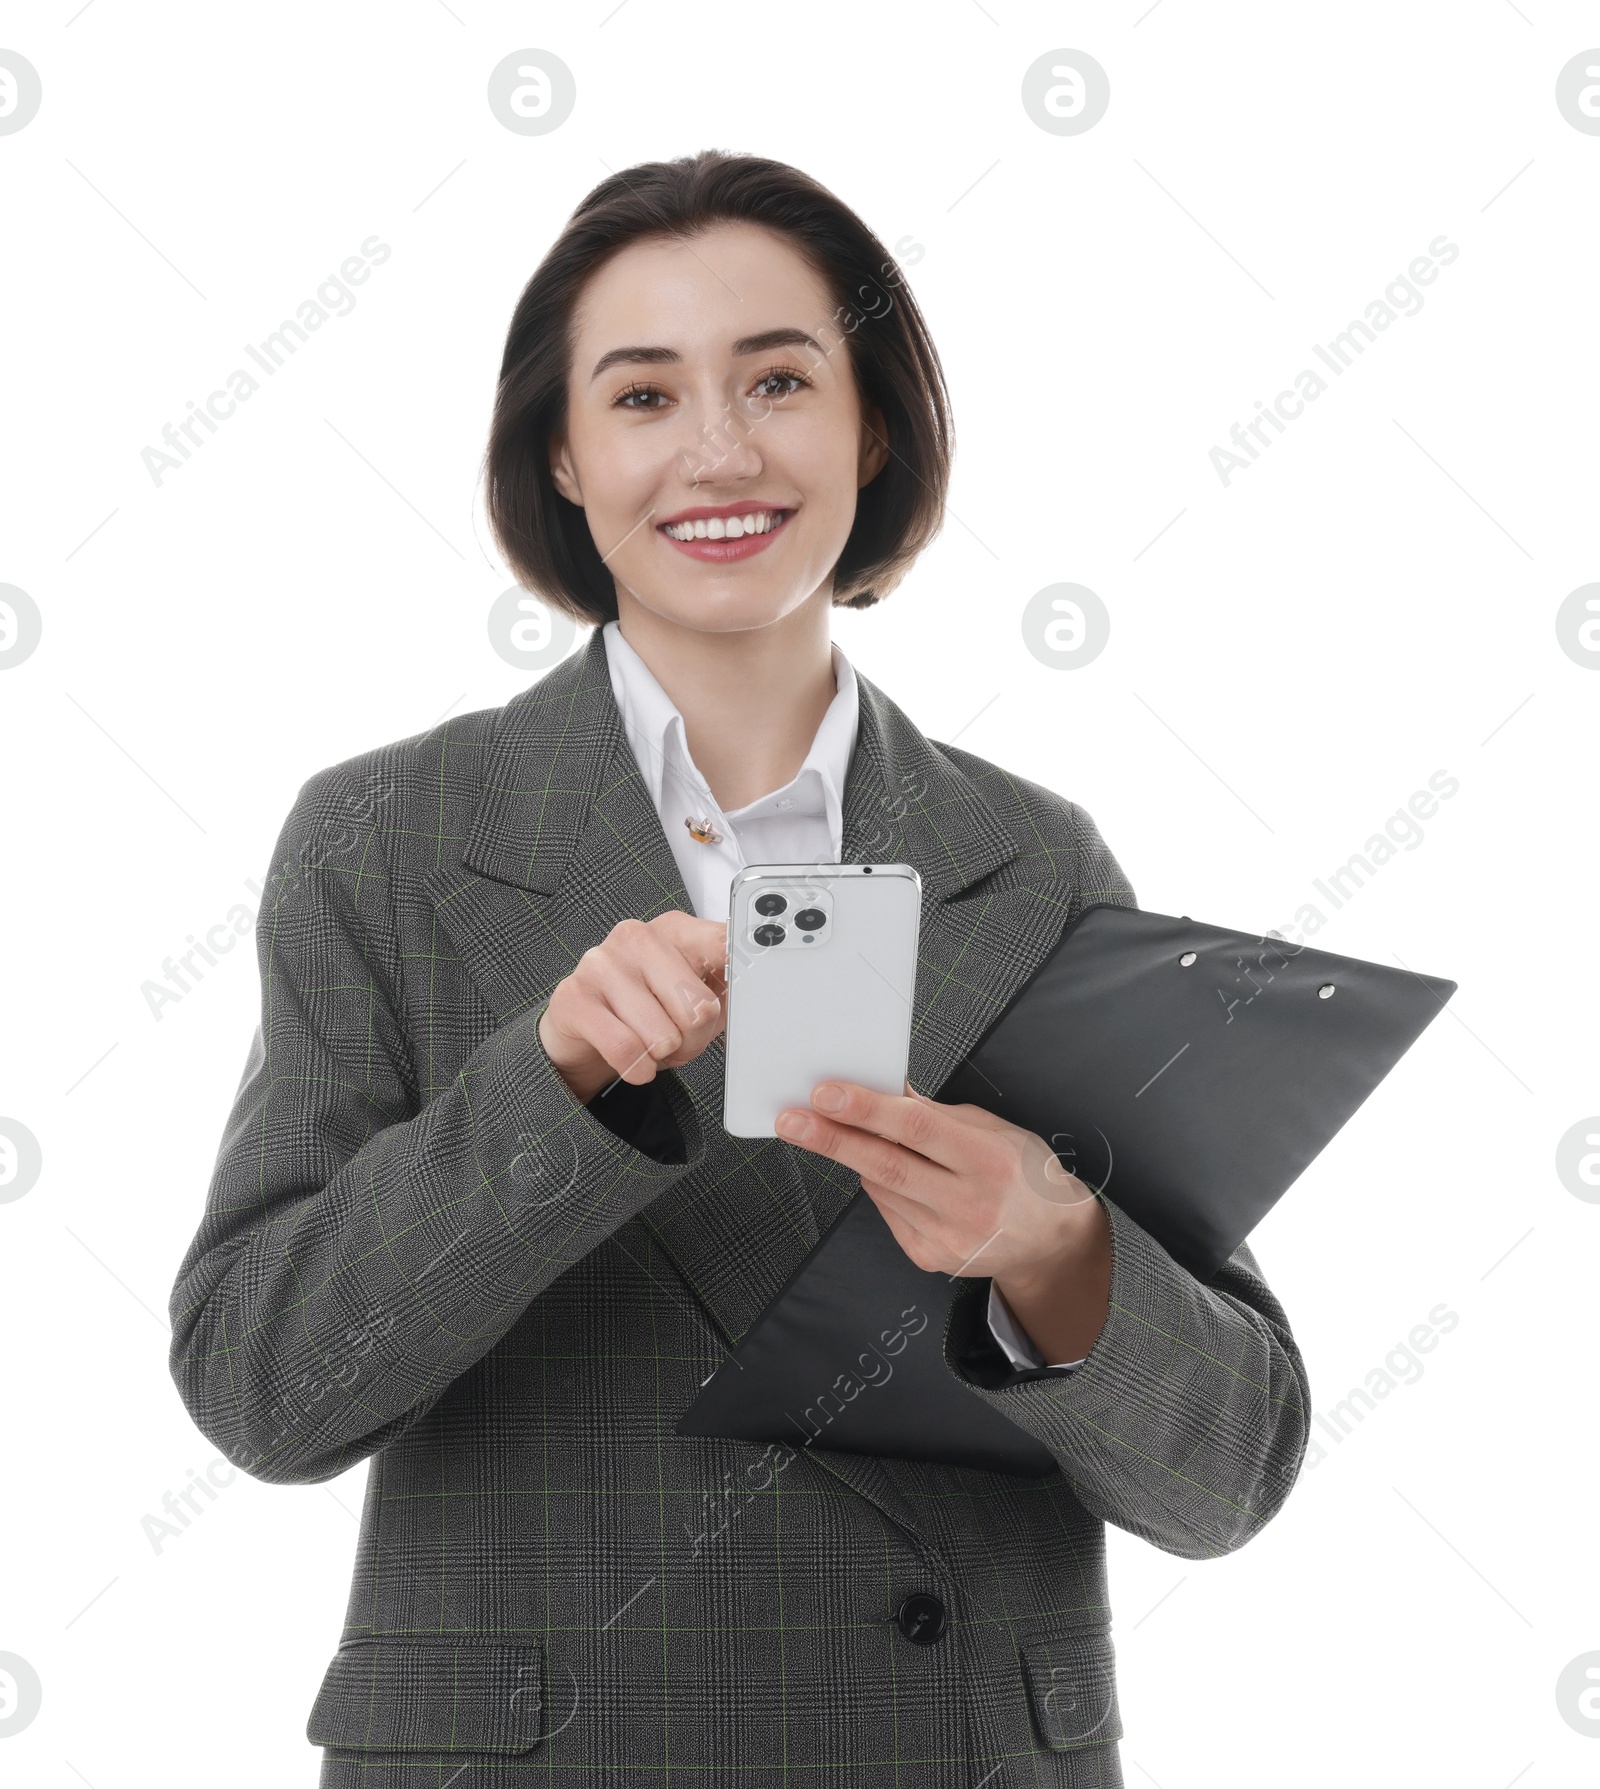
(822, 970)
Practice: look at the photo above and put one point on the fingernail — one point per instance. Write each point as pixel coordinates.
(829, 1097)
(794, 1125)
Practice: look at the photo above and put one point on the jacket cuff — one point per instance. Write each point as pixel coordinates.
(566, 1131)
(976, 1353)
(1131, 1339)
(641, 1117)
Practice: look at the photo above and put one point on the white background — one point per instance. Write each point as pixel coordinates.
(1297, 652)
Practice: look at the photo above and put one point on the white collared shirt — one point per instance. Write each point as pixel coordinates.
(803, 822)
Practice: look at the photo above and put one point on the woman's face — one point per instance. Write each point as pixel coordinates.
(710, 378)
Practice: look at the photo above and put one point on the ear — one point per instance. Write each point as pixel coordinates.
(562, 472)
(874, 453)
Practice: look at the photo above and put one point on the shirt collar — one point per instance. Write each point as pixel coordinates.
(656, 732)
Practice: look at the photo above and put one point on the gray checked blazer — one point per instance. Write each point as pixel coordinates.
(418, 1249)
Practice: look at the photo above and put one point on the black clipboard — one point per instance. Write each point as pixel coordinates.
(1188, 1072)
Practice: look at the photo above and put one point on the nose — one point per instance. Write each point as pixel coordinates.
(723, 446)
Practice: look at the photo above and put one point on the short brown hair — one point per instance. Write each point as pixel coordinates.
(546, 539)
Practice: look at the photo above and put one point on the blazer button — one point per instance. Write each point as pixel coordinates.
(921, 1618)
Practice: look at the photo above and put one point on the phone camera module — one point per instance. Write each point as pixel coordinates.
(769, 934)
(810, 919)
(769, 903)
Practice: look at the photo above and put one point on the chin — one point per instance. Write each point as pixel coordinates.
(727, 609)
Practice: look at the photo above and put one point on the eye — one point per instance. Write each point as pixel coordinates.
(798, 380)
(636, 391)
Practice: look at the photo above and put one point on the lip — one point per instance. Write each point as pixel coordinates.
(721, 551)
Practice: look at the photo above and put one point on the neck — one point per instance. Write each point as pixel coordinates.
(751, 699)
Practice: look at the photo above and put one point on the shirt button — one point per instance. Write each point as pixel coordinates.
(786, 802)
(921, 1618)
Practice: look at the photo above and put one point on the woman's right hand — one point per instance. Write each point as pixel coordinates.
(650, 995)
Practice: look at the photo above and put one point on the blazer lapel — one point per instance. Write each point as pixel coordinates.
(565, 842)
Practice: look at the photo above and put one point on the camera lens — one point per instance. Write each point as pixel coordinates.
(770, 903)
(768, 934)
(810, 919)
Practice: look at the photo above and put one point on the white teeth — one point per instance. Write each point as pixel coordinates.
(761, 521)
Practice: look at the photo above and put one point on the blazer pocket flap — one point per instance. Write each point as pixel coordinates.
(1072, 1689)
(430, 1696)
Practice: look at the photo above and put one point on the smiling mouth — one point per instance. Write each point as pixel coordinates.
(713, 540)
(761, 521)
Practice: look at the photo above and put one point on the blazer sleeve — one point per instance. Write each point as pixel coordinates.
(361, 1248)
(1188, 1420)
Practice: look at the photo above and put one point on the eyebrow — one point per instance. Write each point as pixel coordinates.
(746, 344)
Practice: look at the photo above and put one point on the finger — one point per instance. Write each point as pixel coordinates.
(980, 1117)
(707, 983)
(627, 991)
(922, 1125)
(873, 1158)
(911, 1213)
(702, 942)
(698, 1007)
(592, 1020)
(916, 1245)
(710, 1022)
(658, 972)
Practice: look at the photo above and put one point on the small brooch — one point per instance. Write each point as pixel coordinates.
(701, 830)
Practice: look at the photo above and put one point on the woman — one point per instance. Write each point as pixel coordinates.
(475, 1217)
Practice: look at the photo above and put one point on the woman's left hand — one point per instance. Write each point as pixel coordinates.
(965, 1192)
